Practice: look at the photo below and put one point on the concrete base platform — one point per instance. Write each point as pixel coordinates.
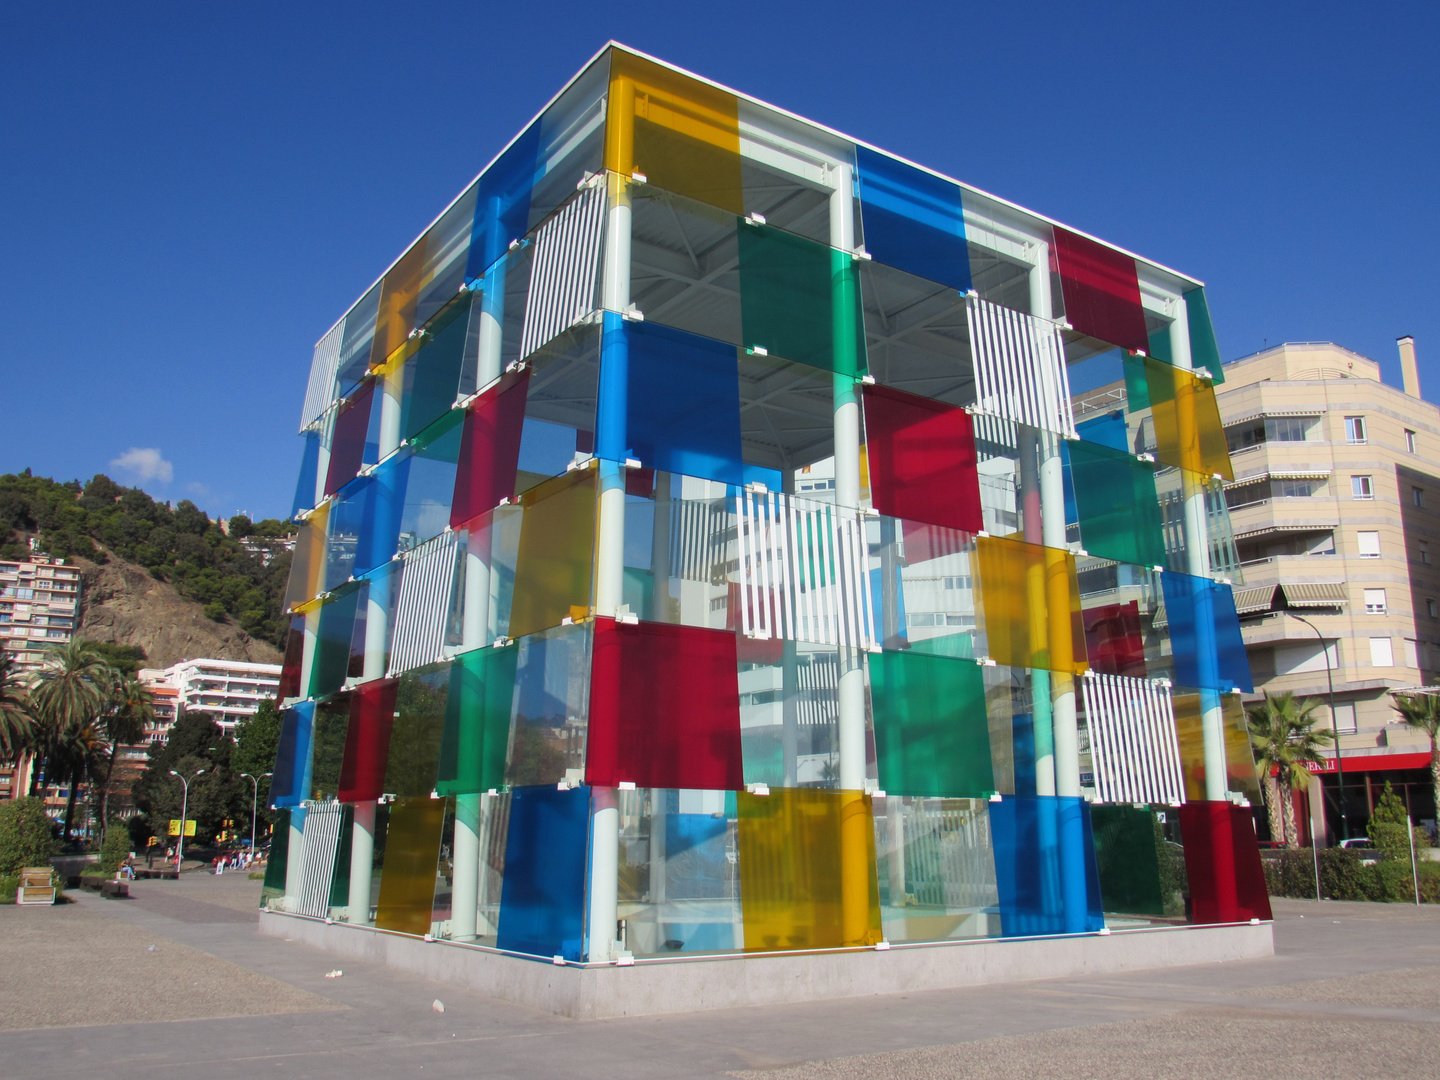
(666, 986)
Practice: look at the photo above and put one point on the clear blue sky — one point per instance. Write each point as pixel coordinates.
(191, 194)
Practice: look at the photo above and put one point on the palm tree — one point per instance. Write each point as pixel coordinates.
(69, 693)
(128, 711)
(17, 722)
(1282, 730)
(1423, 711)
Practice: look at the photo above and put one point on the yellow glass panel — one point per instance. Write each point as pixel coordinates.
(412, 860)
(1240, 773)
(398, 294)
(1030, 601)
(807, 869)
(553, 566)
(683, 135)
(308, 562)
(1188, 431)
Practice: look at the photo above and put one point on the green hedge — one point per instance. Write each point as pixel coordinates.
(1344, 877)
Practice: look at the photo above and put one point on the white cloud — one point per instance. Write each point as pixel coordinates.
(144, 463)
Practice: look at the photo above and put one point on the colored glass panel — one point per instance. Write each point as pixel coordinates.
(413, 760)
(332, 719)
(1114, 641)
(490, 449)
(542, 898)
(1240, 772)
(309, 474)
(913, 220)
(291, 663)
(502, 202)
(395, 317)
(380, 502)
(477, 721)
(290, 784)
(346, 532)
(1222, 863)
(431, 379)
(551, 705)
(1108, 430)
(1205, 634)
(807, 870)
(308, 560)
(1102, 291)
(681, 410)
(553, 565)
(921, 456)
(277, 863)
(367, 741)
(412, 859)
(932, 735)
(800, 300)
(1118, 508)
(936, 870)
(1204, 349)
(664, 707)
(347, 445)
(1127, 859)
(681, 134)
(1031, 604)
(331, 662)
(1045, 865)
(1186, 422)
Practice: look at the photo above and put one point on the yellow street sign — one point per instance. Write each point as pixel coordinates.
(175, 826)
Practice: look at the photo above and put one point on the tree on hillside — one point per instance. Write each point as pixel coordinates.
(1282, 730)
(1422, 711)
(196, 744)
(127, 660)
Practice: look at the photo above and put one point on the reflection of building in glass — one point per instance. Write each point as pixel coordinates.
(701, 554)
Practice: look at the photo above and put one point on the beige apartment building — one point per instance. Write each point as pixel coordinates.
(1336, 513)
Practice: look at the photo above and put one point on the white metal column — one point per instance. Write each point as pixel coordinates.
(362, 857)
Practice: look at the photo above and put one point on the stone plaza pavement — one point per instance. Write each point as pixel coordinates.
(177, 982)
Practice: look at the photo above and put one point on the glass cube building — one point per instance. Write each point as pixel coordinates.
(721, 535)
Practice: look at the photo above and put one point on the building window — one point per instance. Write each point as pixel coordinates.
(1361, 488)
(1425, 552)
(1344, 719)
(1417, 496)
(1354, 429)
(1381, 654)
(1369, 543)
(955, 582)
(1431, 609)
(1412, 653)
(1375, 602)
(1410, 441)
(1292, 489)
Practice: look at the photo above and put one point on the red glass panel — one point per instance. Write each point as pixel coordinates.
(921, 455)
(294, 656)
(490, 449)
(1222, 863)
(1102, 291)
(1113, 639)
(347, 448)
(664, 707)
(367, 741)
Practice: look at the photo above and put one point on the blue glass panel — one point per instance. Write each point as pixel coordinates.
(681, 408)
(290, 786)
(502, 202)
(1107, 430)
(912, 221)
(380, 524)
(542, 900)
(309, 473)
(345, 529)
(1045, 866)
(331, 662)
(1205, 634)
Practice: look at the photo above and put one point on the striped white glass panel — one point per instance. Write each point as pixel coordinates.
(566, 269)
(1133, 740)
(322, 835)
(1020, 370)
(427, 581)
(323, 369)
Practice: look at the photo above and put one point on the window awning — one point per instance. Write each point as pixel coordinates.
(1279, 474)
(1308, 527)
(1316, 594)
(1257, 598)
(1261, 414)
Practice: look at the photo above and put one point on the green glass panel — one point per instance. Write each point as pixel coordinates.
(275, 865)
(931, 731)
(432, 375)
(419, 726)
(477, 721)
(332, 721)
(331, 664)
(340, 877)
(1118, 507)
(800, 300)
(412, 860)
(1126, 856)
(1204, 349)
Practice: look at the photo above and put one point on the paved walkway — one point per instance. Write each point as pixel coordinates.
(1354, 992)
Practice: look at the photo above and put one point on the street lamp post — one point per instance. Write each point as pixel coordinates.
(1334, 724)
(184, 811)
(254, 799)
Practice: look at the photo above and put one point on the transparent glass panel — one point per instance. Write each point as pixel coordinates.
(664, 707)
(367, 741)
(332, 720)
(560, 405)
(1119, 510)
(680, 537)
(1045, 865)
(913, 219)
(684, 268)
(413, 762)
(917, 335)
(921, 457)
(476, 739)
(1031, 604)
(551, 706)
(1123, 613)
(807, 870)
(1102, 291)
(272, 890)
(787, 423)
(542, 904)
(340, 874)
(924, 589)
(410, 870)
(554, 563)
(932, 734)
(679, 875)
(395, 317)
(790, 713)
(309, 473)
(358, 340)
(936, 869)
